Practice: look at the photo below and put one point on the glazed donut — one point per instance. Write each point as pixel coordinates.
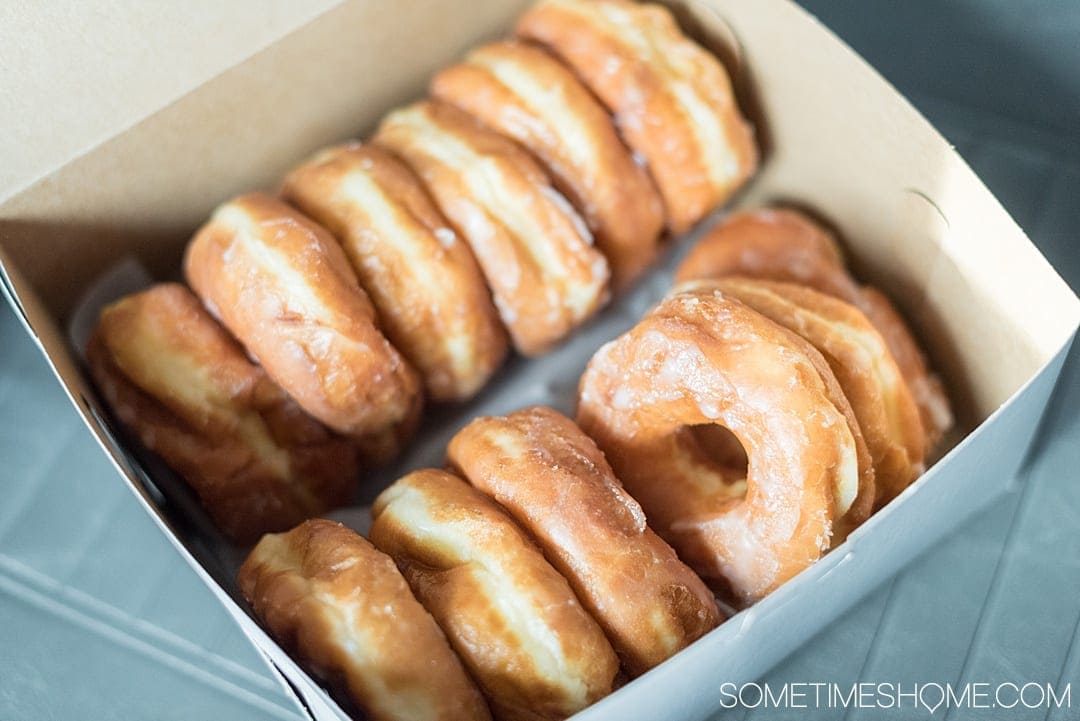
(773, 244)
(185, 389)
(554, 481)
(702, 358)
(725, 450)
(344, 608)
(926, 386)
(534, 249)
(431, 299)
(512, 618)
(284, 288)
(785, 245)
(671, 98)
(529, 96)
(860, 359)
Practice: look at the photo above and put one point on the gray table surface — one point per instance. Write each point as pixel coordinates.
(99, 617)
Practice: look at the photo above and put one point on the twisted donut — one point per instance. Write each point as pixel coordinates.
(513, 619)
(865, 369)
(554, 481)
(531, 97)
(429, 293)
(672, 99)
(184, 387)
(785, 245)
(702, 358)
(344, 608)
(535, 251)
(284, 288)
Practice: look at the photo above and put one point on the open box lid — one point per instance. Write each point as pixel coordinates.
(836, 136)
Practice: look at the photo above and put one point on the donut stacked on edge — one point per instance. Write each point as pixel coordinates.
(766, 407)
(171, 373)
(784, 245)
(405, 268)
(757, 416)
(536, 565)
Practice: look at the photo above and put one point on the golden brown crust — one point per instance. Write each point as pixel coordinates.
(925, 385)
(535, 251)
(774, 244)
(514, 620)
(853, 508)
(702, 358)
(554, 481)
(184, 387)
(285, 289)
(329, 596)
(672, 100)
(862, 363)
(784, 245)
(529, 96)
(431, 298)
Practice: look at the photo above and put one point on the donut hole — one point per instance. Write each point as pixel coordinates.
(718, 447)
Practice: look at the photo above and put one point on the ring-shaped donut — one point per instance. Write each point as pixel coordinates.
(431, 298)
(785, 245)
(547, 474)
(515, 622)
(284, 288)
(524, 93)
(860, 359)
(545, 276)
(926, 386)
(774, 244)
(703, 358)
(343, 607)
(176, 379)
(672, 99)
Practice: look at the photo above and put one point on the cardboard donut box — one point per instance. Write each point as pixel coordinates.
(836, 140)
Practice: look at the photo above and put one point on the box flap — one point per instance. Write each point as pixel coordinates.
(76, 74)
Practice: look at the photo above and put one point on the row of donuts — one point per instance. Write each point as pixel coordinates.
(523, 583)
(407, 266)
(755, 422)
(766, 407)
